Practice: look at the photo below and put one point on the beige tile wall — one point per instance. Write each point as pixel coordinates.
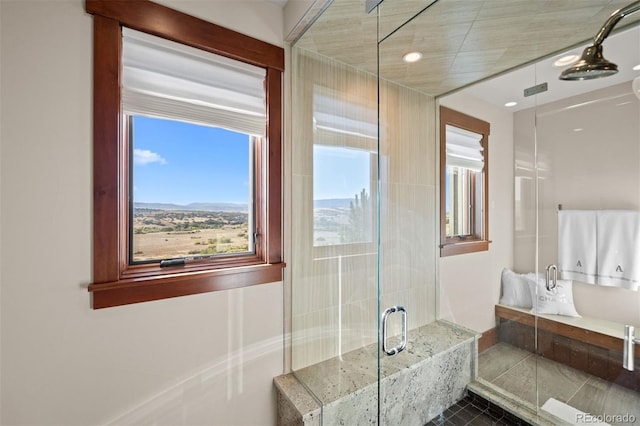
(334, 291)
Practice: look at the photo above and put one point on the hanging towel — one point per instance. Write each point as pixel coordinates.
(618, 234)
(577, 245)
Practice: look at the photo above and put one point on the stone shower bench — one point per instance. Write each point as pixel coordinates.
(416, 385)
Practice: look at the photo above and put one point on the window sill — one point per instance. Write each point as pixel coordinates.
(144, 289)
(464, 248)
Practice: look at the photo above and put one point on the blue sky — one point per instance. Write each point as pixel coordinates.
(184, 163)
(340, 172)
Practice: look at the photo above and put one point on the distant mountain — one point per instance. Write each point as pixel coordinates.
(211, 207)
(335, 203)
(332, 203)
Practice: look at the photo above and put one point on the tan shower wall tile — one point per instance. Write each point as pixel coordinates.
(407, 133)
(302, 116)
(429, 227)
(419, 307)
(406, 221)
(408, 259)
(314, 281)
(359, 324)
(423, 298)
(314, 337)
(302, 221)
(316, 292)
(359, 277)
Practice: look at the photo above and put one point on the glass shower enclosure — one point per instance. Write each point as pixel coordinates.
(363, 263)
(380, 321)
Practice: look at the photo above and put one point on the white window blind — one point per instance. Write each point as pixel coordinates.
(164, 79)
(464, 149)
(333, 113)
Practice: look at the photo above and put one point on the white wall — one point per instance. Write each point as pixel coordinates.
(294, 14)
(204, 359)
(256, 18)
(470, 283)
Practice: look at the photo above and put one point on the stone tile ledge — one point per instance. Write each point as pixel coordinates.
(296, 406)
(434, 369)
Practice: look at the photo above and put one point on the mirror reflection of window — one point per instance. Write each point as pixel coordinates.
(344, 164)
(342, 204)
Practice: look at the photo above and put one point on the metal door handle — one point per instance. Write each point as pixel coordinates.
(403, 342)
(629, 344)
(550, 269)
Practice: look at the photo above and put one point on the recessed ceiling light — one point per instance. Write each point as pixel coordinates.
(510, 104)
(566, 60)
(412, 57)
(578, 129)
(636, 68)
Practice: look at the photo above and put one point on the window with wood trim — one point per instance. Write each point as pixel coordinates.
(187, 155)
(464, 177)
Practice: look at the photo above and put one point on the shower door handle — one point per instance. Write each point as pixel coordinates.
(552, 282)
(630, 342)
(403, 342)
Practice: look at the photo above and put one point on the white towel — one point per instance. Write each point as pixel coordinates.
(577, 245)
(618, 248)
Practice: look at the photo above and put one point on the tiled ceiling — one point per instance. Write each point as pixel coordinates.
(462, 41)
(281, 3)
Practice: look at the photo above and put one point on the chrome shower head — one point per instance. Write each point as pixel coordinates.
(591, 65)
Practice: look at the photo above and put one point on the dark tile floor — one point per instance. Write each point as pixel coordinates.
(475, 410)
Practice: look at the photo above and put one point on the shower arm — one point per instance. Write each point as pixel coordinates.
(613, 20)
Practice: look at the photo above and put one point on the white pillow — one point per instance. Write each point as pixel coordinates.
(515, 289)
(558, 301)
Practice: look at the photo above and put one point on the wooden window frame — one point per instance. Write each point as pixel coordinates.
(114, 281)
(478, 240)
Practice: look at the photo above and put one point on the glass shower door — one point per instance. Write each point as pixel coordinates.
(588, 199)
(406, 251)
(424, 364)
(334, 258)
